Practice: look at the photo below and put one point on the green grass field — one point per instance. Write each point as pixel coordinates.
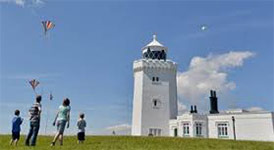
(138, 143)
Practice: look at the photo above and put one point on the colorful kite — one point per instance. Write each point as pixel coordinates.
(34, 83)
(47, 25)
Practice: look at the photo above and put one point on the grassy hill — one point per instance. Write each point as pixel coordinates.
(139, 143)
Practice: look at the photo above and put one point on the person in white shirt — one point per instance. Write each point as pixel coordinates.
(62, 119)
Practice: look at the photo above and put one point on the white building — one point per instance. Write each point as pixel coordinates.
(155, 91)
(236, 124)
(155, 106)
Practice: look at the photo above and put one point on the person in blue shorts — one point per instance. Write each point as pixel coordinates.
(62, 119)
(16, 123)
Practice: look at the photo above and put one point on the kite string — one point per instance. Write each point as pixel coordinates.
(34, 13)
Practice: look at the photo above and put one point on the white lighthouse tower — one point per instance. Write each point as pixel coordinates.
(155, 91)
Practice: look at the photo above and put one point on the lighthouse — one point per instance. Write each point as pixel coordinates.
(155, 91)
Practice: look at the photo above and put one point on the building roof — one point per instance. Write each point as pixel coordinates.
(154, 43)
(226, 113)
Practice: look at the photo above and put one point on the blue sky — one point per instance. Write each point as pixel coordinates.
(88, 56)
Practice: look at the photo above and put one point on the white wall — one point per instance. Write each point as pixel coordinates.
(254, 127)
(248, 126)
(192, 119)
(172, 125)
(155, 117)
(145, 116)
(137, 103)
(213, 121)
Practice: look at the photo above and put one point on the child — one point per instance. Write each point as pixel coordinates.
(16, 122)
(81, 123)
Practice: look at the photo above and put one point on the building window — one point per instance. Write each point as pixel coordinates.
(152, 54)
(198, 129)
(222, 130)
(156, 103)
(155, 80)
(155, 132)
(186, 129)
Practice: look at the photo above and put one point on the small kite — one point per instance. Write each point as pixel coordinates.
(47, 25)
(34, 83)
(50, 96)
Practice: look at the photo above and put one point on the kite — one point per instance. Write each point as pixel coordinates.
(50, 96)
(47, 25)
(34, 83)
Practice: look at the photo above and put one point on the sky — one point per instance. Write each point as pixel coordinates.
(88, 56)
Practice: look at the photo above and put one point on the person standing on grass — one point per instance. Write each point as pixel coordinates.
(62, 118)
(81, 124)
(16, 123)
(35, 117)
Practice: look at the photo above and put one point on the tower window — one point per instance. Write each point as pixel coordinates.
(155, 79)
(156, 103)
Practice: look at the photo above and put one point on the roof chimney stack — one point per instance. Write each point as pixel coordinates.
(213, 102)
(191, 109)
(195, 109)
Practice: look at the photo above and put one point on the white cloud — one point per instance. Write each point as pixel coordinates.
(121, 129)
(20, 2)
(255, 109)
(23, 3)
(206, 73)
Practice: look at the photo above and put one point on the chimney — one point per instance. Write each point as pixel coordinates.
(213, 102)
(195, 109)
(191, 109)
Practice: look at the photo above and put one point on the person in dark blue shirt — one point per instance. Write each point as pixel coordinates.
(16, 123)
